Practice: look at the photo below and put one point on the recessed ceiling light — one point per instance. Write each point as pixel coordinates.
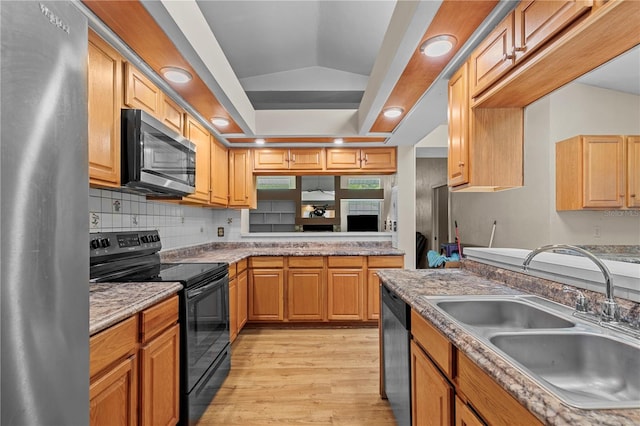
(220, 121)
(392, 112)
(338, 141)
(438, 46)
(176, 75)
(260, 141)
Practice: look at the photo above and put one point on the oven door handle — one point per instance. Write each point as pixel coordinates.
(198, 291)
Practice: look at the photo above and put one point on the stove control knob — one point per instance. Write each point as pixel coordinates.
(95, 244)
(144, 239)
(104, 242)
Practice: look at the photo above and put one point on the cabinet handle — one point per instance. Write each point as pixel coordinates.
(520, 49)
(366, 158)
(293, 158)
(632, 195)
(506, 56)
(461, 163)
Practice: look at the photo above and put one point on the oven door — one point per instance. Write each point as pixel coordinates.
(206, 325)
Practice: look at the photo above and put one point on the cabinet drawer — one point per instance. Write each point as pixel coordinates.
(491, 401)
(266, 262)
(434, 343)
(242, 265)
(306, 262)
(345, 261)
(156, 318)
(112, 344)
(386, 261)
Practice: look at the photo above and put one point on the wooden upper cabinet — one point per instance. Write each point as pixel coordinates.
(352, 159)
(590, 173)
(378, 159)
(270, 159)
(197, 134)
(288, 159)
(458, 111)
(172, 115)
(343, 158)
(306, 159)
(104, 101)
(242, 186)
(493, 57)
(536, 21)
(633, 171)
(219, 175)
(140, 92)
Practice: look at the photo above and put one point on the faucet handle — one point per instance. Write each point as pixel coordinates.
(582, 304)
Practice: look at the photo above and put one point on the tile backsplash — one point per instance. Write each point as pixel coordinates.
(178, 225)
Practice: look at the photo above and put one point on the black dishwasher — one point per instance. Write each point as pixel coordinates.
(395, 351)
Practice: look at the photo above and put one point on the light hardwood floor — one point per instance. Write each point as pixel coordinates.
(302, 377)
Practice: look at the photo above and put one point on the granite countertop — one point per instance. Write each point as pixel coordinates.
(110, 303)
(410, 285)
(234, 254)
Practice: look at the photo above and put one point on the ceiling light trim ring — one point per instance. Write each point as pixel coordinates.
(437, 46)
(176, 75)
(220, 121)
(393, 112)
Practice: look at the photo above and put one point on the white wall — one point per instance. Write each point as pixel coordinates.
(526, 217)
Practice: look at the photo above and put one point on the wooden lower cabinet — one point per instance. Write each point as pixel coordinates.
(305, 290)
(464, 415)
(160, 379)
(134, 369)
(233, 308)
(113, 398)
(344, 294)
(266, 295)
(243, 297)
(372, 297)
(431, 394)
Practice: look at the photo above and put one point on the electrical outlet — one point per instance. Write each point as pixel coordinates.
(220, 231)
(596, 232)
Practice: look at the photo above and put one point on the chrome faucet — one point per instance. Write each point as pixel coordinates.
(610, 310)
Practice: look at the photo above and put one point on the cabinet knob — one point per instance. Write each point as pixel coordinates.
(520, 48)
(507, 56)
(632, 195)
(461, 163)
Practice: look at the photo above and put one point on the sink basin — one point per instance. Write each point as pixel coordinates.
(587, 370)
(502, 314)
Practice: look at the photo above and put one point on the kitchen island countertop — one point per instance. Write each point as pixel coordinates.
(110, 303)
(411, 285)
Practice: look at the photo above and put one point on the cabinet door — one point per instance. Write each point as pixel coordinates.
(160, 377)
(458, 162)
(493, 57)
(243, 293)
(113, 398)
(266, 295)
(343, 158)
(344, 293)
(197, 134)
(464, 415)
(603, 171)
(633, 171)
(306, 159)
(172, 115)
(219, 174)
(141, 93)
(536, 21)
(305, 294)
(378, 159)
(270, 159)
(431, 394)
(373, 295)
(241, 180)
(104, 79)
(233, 309)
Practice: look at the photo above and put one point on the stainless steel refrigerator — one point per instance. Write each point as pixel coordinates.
(44, 264)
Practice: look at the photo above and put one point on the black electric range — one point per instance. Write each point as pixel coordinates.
(205, 355)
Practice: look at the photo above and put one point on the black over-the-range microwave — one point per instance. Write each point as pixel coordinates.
(155, 160)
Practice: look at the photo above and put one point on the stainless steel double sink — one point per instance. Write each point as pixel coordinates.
(583, 364)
